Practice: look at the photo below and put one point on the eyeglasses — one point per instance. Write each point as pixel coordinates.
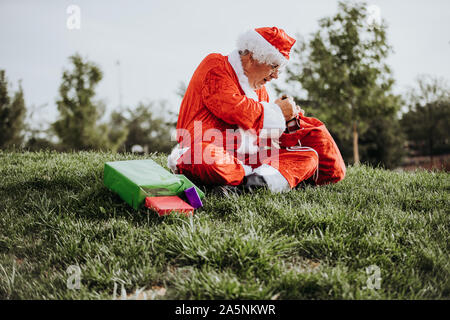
(275, 69)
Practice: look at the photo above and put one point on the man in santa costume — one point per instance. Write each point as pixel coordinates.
(229, 133)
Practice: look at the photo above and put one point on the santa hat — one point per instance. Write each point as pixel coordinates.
(268, 45)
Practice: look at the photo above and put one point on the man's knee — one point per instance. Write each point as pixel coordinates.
(332, 171)
(295, 165)
(338, 174)
(209, 164)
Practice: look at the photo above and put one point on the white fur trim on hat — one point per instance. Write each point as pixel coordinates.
(262, 50)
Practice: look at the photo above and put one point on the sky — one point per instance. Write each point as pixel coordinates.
(160, 43)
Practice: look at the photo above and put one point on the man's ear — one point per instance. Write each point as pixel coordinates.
(250, 57)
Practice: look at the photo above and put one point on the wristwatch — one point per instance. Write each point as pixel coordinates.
(293, 125)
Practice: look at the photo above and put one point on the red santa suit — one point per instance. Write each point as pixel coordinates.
(226, 130)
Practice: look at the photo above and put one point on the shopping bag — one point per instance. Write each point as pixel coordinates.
(134, 180)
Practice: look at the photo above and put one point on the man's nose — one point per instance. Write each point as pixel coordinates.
(274, 75)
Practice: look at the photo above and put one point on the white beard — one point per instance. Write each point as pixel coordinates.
(273, 121)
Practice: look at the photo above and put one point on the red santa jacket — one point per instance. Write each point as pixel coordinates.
(219, 97)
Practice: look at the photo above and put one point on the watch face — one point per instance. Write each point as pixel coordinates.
(293, 125)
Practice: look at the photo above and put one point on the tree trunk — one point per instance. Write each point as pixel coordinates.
(355, 144)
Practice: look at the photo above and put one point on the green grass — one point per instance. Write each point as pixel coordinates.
(312, 243)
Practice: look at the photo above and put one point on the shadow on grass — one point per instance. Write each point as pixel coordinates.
(99, 203)
(41, 185)
(78, 197)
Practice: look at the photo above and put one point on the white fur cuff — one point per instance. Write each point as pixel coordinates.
(274, 123)
(248, 142)
(172, 159)
(275, 180)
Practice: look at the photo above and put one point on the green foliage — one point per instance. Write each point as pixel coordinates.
(78, 125)
(40, 135)
(181, 90)
(343, 72)
(148, 129)
(38, 144)
(426, 123)
(79, 129)
(311, 243)
(119, 130)
(383, 142)
(12, 115)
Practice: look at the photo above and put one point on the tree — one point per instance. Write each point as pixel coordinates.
(39, 135)
(78, 126)
(12, 115)
(151, 132)
(181, 90)
(343, 74)
(383, 142)
(119, 130)
(426, 123)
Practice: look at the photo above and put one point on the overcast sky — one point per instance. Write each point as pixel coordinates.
(160, 43)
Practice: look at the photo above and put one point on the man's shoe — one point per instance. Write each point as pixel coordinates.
(254, 181)
(305, 183)
(251, 183)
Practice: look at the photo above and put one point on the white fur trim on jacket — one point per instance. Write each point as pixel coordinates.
(172, 159)
(248, 140)
(247, 169)
(274, 123)
(235, 60)
(262, 50)
(275, 180)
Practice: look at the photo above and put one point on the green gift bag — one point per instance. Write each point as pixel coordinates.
(134, 180)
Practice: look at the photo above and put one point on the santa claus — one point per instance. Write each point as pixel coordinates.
(229, 133)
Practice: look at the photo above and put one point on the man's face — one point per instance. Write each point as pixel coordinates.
(259, 74)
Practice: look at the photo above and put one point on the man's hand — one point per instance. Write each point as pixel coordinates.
(288, 107)
(300, 110)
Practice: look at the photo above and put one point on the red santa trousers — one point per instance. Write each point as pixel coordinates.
(309, 152)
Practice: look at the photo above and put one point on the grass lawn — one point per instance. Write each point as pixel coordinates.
(312, 243)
